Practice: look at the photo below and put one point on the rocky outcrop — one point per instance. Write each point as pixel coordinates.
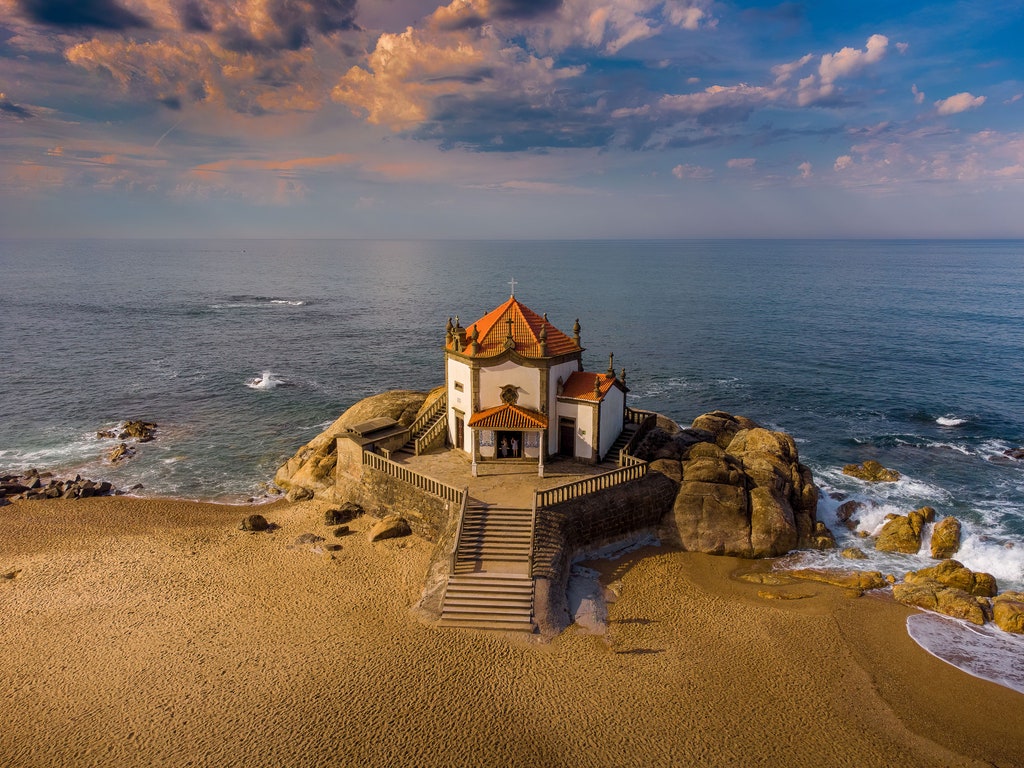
(742, 488)
(902, 533)
(1008, 612)
(140, 431)
(35, 485)
(952, 573)
(345, 513)
(872, 472)
(859, 581)
(1014, 453)
(934, 596)
(312, 467)
(945, 538)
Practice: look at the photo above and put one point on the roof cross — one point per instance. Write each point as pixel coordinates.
(512, 282)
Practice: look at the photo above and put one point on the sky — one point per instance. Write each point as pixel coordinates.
(511, 118)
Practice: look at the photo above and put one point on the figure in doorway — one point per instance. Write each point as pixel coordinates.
(504, 448)
(515, 448)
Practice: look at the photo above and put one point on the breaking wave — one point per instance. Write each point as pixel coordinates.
(984, 652)
(268, 380)
(949, 420)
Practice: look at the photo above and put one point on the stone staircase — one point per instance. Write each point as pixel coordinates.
(612, 457)
(410, 445)
(491, 587)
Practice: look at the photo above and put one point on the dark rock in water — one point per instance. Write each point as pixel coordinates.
(341, 530)
(254, 523)
(1015, 453)
(854, 553)
(872, 472)
(138, 430)
(848, 509)
(119, 453)
(347, 512)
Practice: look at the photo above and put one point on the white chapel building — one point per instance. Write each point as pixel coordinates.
(517, 391)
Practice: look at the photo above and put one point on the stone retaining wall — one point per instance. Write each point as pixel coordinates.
(383, 494)
(566, 529)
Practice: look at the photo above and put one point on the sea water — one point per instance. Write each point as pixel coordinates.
(907, 352)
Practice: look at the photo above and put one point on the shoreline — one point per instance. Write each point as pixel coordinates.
(153, 631)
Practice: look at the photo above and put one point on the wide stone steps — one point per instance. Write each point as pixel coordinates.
(490, 588)
(482, 601)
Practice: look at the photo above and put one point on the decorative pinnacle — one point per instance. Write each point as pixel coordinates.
(576, 332)
(512, 283)
(597, 387)
(622, 376)
(611, 366)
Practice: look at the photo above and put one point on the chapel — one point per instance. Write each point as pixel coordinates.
(517, 390)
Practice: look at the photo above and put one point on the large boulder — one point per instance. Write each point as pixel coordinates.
(945, 538)
(1008, 612)
(312, 467)
(902, 533)
(743, 490)
(389, 527)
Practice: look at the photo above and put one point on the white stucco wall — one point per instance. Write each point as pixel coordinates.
(611, 417)
(586, 424)
(492, 379)
(563, 371)
(460, 401)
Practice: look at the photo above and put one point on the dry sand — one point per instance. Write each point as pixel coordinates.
(154, 633)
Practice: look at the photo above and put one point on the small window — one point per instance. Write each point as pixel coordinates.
(458, 386)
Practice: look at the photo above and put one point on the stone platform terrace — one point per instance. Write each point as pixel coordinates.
(507, 483)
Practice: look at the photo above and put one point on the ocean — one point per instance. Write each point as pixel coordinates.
(907, 352)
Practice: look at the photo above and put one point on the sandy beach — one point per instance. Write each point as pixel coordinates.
(150, 632)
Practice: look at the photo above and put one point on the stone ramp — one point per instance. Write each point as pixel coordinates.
(491, 587)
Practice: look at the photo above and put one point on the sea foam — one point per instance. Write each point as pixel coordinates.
(984, 652)
(268, 380)
(949, 420)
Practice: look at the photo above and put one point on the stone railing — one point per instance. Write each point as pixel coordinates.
(430, 437)
(454, 556)
(440, 404)
(589, 485)
(424, 483)
(647, 420)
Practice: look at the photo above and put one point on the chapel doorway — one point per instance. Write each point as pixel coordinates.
(460, 433)
(567, 438)
(509, 445)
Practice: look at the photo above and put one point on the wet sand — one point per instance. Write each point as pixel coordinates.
(149, 632)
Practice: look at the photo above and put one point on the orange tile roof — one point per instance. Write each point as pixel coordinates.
(508, 417)
(580, 385)
(493, 328)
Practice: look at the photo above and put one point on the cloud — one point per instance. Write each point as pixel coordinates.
(960, 102)
(918, 95)
(743, 163)
(8, 109)
(695, 172)
(902, 47)
(806, 170)
(783, 72)
(99, 14)
(842, 163)
(1015, 98)
(742, 97)
(844, 63)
